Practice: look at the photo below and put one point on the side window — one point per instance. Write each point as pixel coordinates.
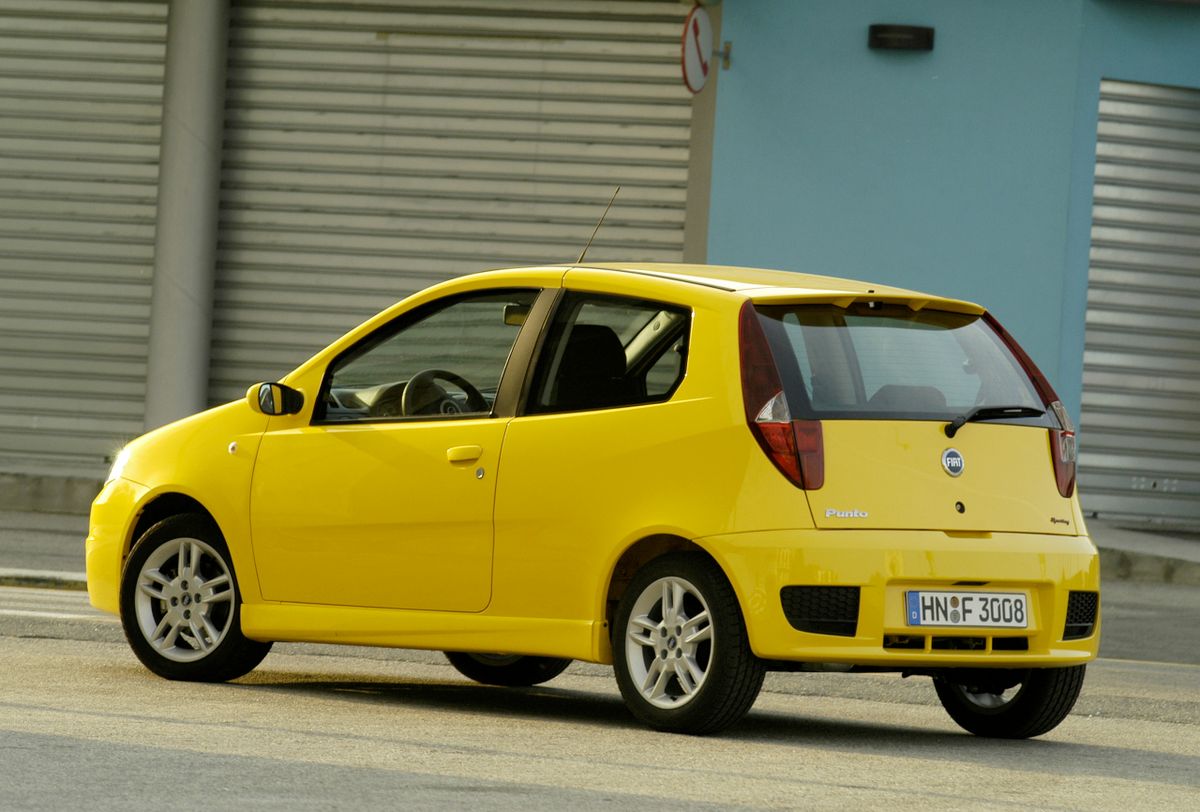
(606, 351)
(444, 360)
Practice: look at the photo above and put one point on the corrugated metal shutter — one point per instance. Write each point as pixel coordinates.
(374, 148)
(1140, 427)
(80, 109)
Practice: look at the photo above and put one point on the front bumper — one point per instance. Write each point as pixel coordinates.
(883, 566)
(109, 528)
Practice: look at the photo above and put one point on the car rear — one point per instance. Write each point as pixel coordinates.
(938, 468)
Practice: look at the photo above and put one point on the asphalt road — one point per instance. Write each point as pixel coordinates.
(1157, 622)
(83, 725)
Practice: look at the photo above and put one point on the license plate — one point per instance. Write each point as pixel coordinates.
(992, 610)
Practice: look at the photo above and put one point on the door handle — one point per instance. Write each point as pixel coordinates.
(464, 453)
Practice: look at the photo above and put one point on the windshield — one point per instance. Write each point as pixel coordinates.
(874, 360)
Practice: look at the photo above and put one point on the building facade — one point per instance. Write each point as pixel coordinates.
(196, 195)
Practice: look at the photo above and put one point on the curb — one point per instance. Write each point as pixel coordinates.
(1146, 568)
(45, 579)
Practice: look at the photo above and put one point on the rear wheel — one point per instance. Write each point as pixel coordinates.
(509, 670)
(1006, 704)
(682, 658)
(180, 605)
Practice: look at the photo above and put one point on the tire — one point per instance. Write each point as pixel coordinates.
(508, 670)
(180, 606)
(1010, 704)
(680, 651)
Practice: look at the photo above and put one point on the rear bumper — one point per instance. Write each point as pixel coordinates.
(884, 566)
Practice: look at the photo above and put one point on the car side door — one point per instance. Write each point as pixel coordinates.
(385, 498)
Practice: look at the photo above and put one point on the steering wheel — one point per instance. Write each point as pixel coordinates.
(423, 396)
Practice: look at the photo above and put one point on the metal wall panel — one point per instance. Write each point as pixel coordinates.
(374, 148)
(1140, 427)
(80, 108)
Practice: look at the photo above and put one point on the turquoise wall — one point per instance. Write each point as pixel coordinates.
(964, 171)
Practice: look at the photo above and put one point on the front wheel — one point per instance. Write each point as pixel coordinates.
(1006, 704)
(682, 658)
(508, 670)
(180, 606)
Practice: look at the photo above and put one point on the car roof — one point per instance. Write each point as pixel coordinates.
(764, 285)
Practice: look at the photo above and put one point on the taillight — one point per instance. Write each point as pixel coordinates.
(1062, 450)
(796, 447)
(1062, 439)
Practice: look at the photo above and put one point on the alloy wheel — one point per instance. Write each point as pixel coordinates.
(184, 599)
(668, 642)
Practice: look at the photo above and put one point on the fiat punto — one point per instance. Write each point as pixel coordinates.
(697, 474)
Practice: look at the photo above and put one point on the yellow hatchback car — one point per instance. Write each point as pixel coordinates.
(696, 474)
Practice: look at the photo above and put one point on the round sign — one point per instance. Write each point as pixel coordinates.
(697, 49)
(952, 461)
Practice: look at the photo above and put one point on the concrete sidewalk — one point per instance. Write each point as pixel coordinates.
(1159, 556)
(42, 549)
(46, 549)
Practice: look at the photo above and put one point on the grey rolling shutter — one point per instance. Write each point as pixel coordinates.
(1140, 427)
(80, 108)
(374, 148)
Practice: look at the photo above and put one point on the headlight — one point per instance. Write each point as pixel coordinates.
(118, 466)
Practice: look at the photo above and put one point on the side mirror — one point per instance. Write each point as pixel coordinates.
(274, 399)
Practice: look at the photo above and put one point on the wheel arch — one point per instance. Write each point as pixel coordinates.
(171, 500)
(179, 601)
(636, 556)
(163, 506)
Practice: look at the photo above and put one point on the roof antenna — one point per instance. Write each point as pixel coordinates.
(596, 230)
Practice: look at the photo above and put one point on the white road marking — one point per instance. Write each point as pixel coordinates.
(96, 618)
(52, 604)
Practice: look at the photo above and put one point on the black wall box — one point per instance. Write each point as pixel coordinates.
(900, 37)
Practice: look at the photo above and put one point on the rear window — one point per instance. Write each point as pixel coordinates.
(874, 360)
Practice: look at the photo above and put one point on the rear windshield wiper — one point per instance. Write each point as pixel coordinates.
(990, 413)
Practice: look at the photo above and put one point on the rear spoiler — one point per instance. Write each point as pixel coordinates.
(844, 299)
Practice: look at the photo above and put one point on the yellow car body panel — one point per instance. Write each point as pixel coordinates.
(449, 631)
(886, 474)
(887, 564)
(413, 529)
(569, 503)
(110, 529)
(208, 457)
(525, 557)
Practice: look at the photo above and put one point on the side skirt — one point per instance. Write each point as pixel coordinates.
(448, 631)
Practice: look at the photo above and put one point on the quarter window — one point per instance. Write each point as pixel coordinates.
(607, 351)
